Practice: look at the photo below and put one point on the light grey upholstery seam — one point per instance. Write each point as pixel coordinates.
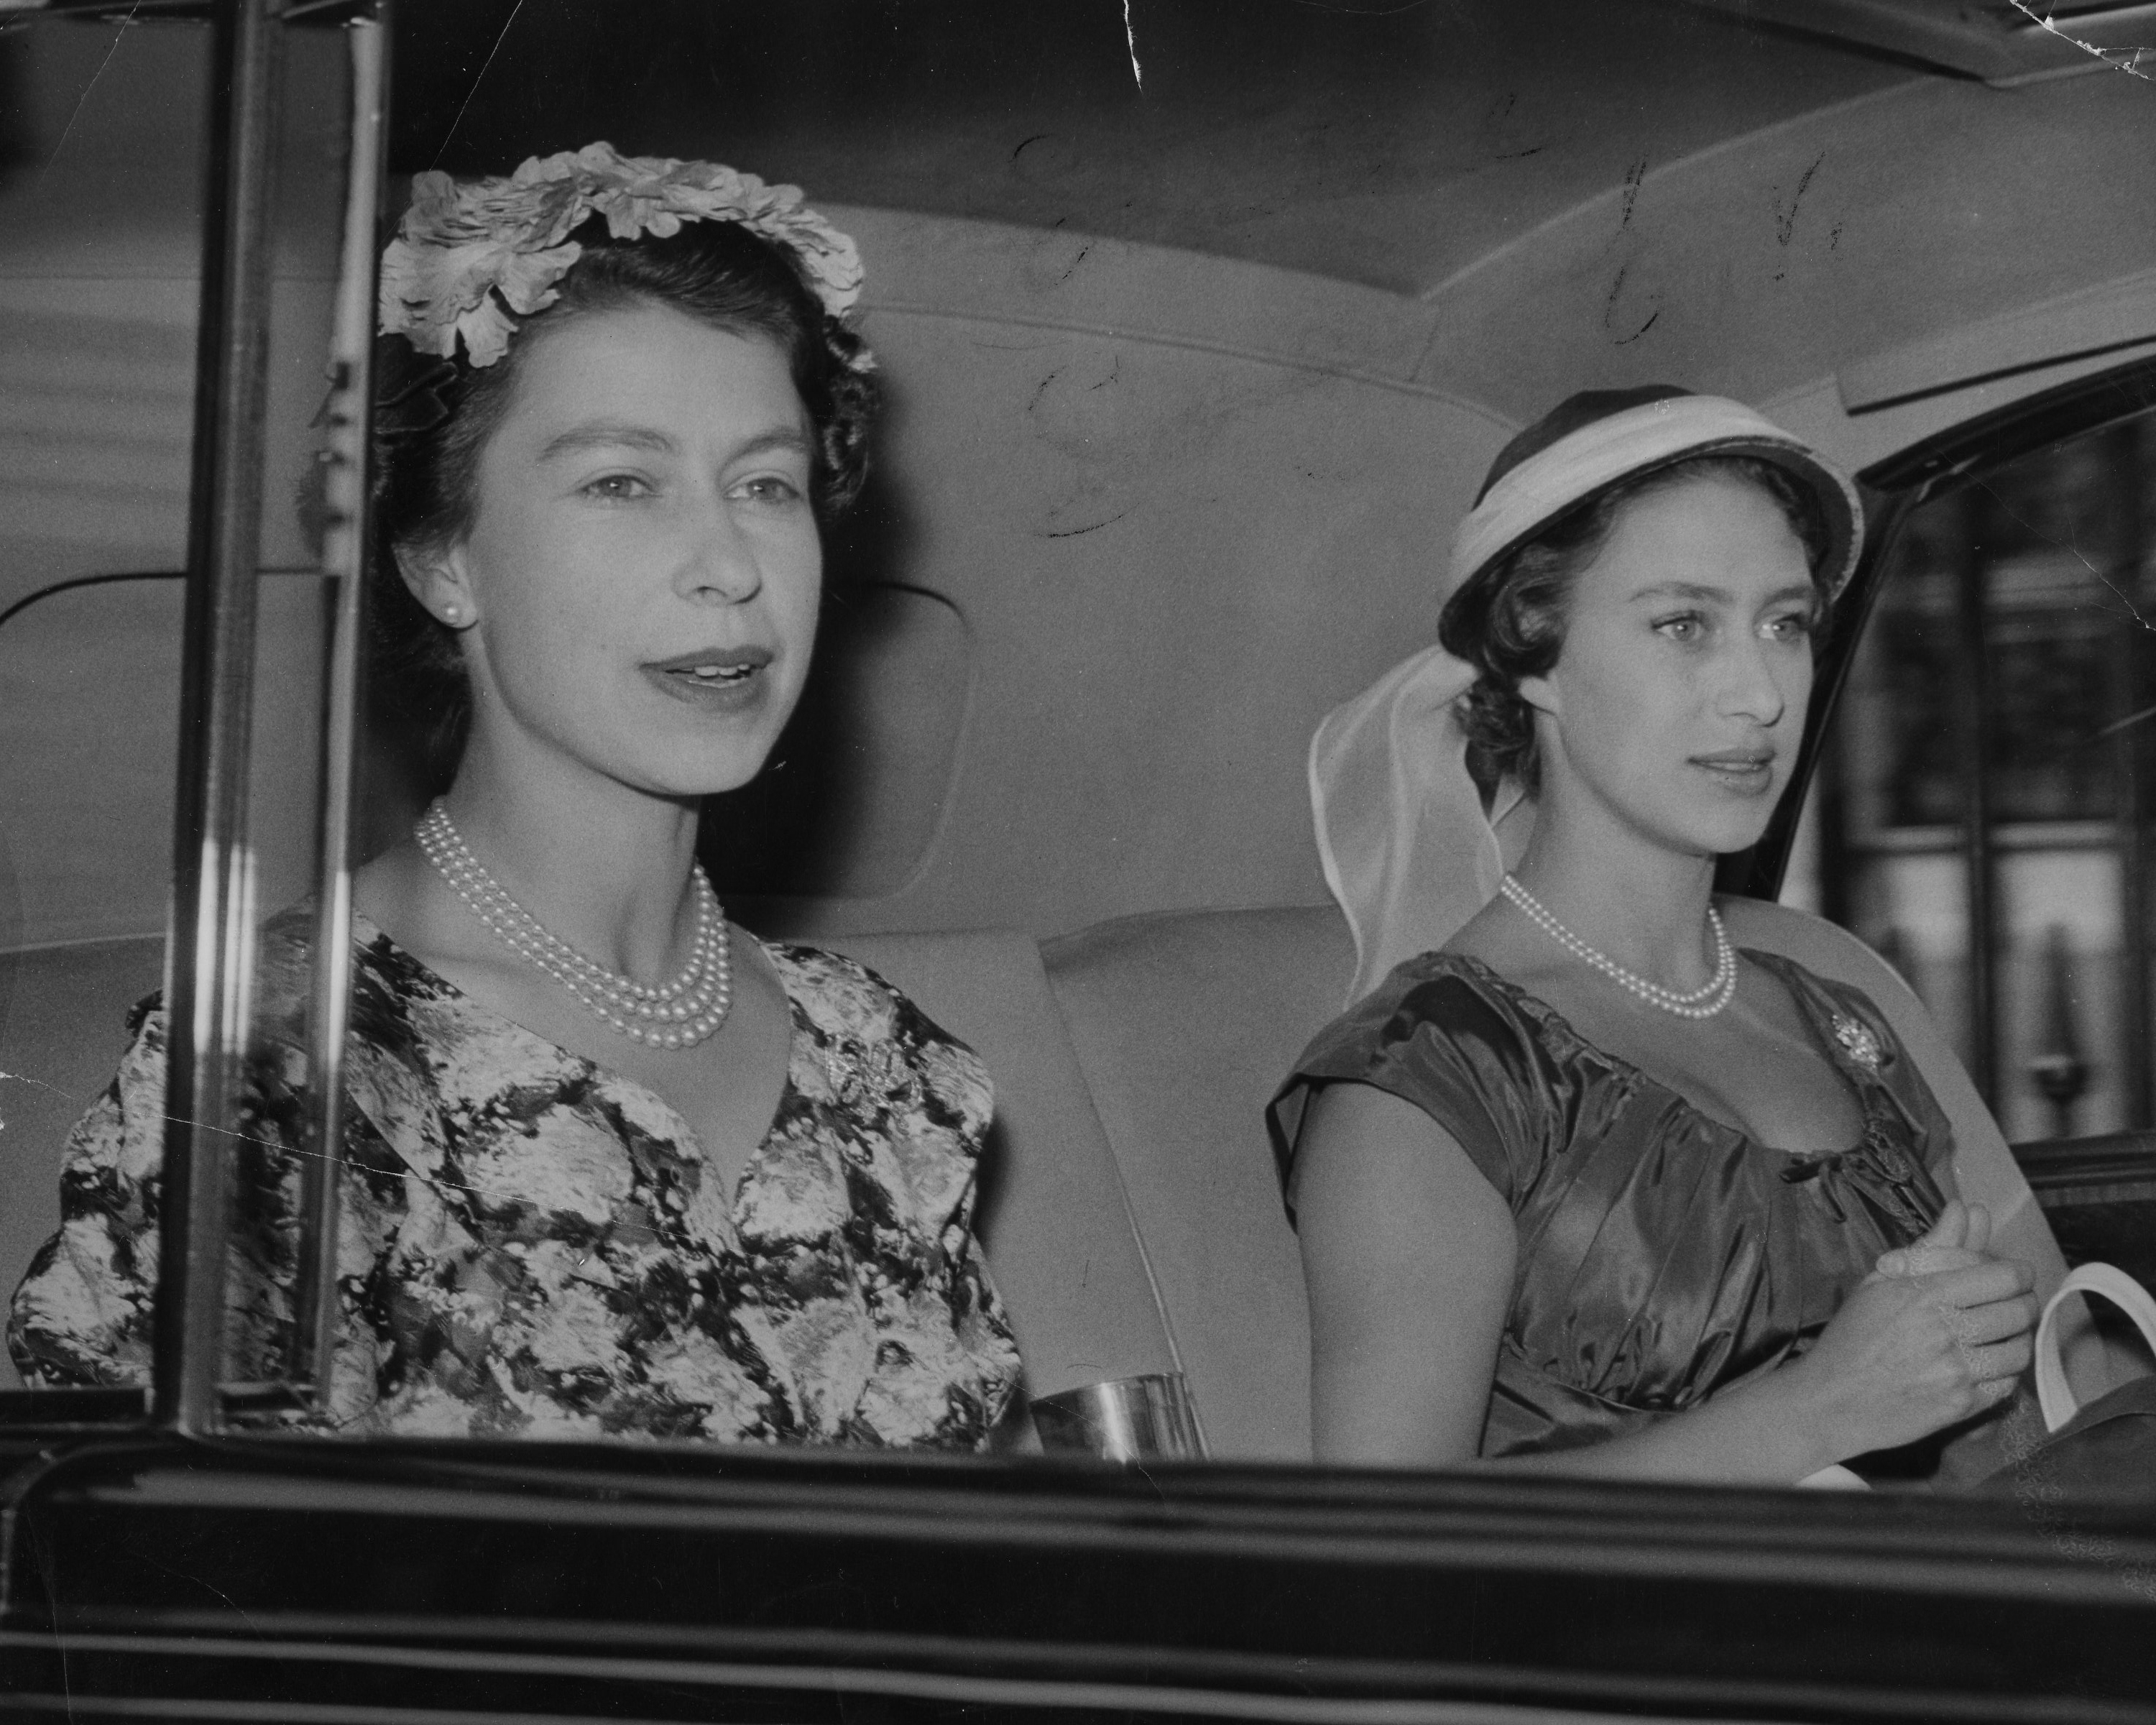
(1130, 1210)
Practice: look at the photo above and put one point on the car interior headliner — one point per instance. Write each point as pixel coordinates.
(1568, 192)
(1579, 190)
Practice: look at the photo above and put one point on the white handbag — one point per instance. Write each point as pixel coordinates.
(2053, 1394)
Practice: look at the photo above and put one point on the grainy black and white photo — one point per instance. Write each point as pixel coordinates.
(869, 861)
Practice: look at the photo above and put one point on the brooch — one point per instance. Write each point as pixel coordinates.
(857, 1072)
(1859, 1042)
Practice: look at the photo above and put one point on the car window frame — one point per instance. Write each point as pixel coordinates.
(187, 1399)
(1893, 489)
(210, 936)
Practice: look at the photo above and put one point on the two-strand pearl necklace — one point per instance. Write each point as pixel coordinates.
(679, 1013)
(1700, 1002)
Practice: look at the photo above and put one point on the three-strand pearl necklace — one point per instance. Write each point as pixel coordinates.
(679, 1013)
(1700, 1002)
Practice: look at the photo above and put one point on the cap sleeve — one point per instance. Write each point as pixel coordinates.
(1453, 1041)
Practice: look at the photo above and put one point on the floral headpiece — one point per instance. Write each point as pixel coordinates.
(469, 254)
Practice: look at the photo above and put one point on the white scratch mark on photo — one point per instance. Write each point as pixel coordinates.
(2126, 60)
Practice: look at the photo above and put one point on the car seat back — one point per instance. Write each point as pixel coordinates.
(1185, 1023)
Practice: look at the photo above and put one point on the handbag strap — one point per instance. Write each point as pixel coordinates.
(2053, 1395)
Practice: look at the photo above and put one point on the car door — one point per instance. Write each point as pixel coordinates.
(1980, 807)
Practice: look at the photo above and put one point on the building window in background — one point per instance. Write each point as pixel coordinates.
(1986, 825)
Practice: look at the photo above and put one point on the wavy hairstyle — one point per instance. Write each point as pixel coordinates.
(1509, 622)
(433, 417)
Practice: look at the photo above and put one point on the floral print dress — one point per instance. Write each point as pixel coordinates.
(528, 1244)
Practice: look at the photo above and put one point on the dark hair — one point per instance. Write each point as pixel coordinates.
(1509, 622)
(433, 417)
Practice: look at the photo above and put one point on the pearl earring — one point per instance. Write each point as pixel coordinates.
(451, 614)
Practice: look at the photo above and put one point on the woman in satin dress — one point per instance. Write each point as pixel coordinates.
(1580, 1187)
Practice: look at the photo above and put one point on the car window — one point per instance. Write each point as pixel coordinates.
(1991, 777)
(101, 284)
(100, 279)
(1157, 494)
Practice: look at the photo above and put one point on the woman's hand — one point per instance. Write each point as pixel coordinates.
(1961, 1237)
(1940, 1334)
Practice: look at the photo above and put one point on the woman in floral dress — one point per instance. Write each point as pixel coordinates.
(613, 1166)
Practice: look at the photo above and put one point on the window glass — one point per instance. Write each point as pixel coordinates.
(100, 236)
(1984, 824)
(1993, 771)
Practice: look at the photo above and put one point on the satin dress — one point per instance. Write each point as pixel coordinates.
(1663, 1256)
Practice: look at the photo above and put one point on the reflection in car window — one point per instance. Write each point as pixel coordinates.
(1994, 776)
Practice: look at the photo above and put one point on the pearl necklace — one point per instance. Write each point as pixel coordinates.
(1700, 1002)
(679, 1013)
